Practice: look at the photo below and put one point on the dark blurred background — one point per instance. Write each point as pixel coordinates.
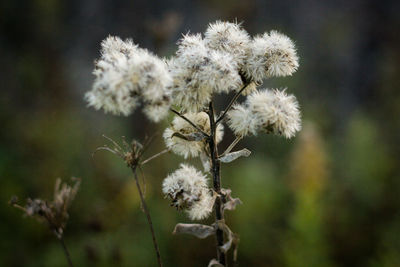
(329, 197)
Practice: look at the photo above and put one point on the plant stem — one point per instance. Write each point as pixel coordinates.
(146, 211)
(235, 97)
(66, 251)
(216, 172)
(190, 122)
(154, 156)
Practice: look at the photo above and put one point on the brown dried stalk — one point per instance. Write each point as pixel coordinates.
(131, 154)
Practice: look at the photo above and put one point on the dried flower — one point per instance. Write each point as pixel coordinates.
(230, 38)
(275, 112)
(198, 72)
(272, 54)
(187, 187)
(127, 75)
(55, 212)
(180, 128)
(242, 121)
(272, 111)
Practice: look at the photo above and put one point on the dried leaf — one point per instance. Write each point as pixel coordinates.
(232, 238)
(199, 230)
(215, 263)
(231, 202)
(189, 137)
(234, 155)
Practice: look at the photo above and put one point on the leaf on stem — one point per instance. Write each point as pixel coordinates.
(235, 155)
(231, 202)
(190, 137)
(232, 238)
(199, 230)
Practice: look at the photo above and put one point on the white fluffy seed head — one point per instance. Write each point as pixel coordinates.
(126, 75)
(189, 90)
(275, 111)
(202, 208)
(189, 148)
(242, 121)
(188, 190)
(230, 38)
(270, 55)
(221, 74)
(198, 72)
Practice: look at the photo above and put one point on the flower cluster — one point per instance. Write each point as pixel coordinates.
(127, 75)
(188, 190)
(178, 136)
(272, 111)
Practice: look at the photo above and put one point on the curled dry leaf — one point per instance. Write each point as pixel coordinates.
(215, 263)
(231, 202)
(199, 230)
(232, 238)
(197, 136)
(234, 155)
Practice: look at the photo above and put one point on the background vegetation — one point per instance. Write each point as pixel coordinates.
(329, 197)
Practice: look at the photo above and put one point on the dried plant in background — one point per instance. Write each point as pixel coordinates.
(55, 212)
(227, 60)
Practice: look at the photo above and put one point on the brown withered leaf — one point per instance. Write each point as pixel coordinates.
(199, 230)
(189, 137)
(231, 202)
(232, 238)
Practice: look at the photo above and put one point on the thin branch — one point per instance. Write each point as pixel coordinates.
(190, 122)
(67, 255)
(154, 156)
(236, 96)
(231, 146)
(146, 211)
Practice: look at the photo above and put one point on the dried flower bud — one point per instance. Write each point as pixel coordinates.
(188, 190)
(272, 54)
(230, 38)
(242, 121)
(54, 212)
(127, 75)
(198, 72)
(276, 112)
(180, 127)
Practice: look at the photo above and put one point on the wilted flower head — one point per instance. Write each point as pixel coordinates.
(198, 72)
(272, 111)
(54, 212)
(127, 75)
(272, 54)
(230, 38)
(183, 139)
(187, 187)
(242, 121)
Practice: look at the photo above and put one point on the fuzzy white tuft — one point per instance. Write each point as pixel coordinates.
(270, 55)
(230, 38)
(127, 75)
(242, 121)
(187, 187)
(276, 112)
